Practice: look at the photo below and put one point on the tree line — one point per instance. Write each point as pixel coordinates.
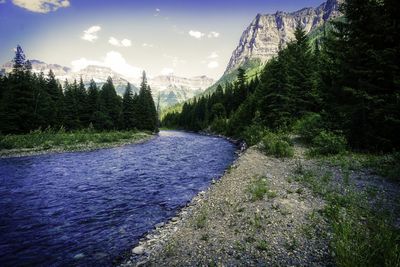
(349, 77)
(29, 101)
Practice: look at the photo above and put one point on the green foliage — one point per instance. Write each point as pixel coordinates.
(328, 143)
(258, 188)
(50, 138)
(362, 236)
(219, 126)
(253, 134)
(277, 145)
(309, 126)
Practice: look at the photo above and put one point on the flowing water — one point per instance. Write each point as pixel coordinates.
(88, 208)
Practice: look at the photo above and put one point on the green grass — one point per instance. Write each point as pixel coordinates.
(259, 188)
(387, 165)
(201, 220)
(362, 235)
(49, 139)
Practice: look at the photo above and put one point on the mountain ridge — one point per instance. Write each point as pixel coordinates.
(268, 33)
(171, 89)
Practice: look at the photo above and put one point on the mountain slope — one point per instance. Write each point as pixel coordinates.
(268, 33)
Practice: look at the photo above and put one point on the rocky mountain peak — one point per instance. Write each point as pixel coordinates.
(267, 33)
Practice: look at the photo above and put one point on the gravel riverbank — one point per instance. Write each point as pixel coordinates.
(226, 226)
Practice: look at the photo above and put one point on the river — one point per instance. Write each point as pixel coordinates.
(89, 208)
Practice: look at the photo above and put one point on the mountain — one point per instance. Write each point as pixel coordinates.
(268, 33)
(173, 90)
(170, 88)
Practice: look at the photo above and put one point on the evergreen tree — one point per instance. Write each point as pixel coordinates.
(110, 106)
(147, 114)
(128, 109)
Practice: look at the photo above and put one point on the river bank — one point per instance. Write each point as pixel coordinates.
(45, 142)
(268, 211)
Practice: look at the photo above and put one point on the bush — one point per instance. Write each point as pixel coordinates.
(277, 145)
(219, 126)
(328, 143)
(309, 127)
(253, 134)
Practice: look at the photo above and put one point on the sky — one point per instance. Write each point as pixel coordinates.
(184, 37)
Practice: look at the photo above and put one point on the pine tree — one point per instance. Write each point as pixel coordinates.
(128, 109)
(110, 106)
(147, 114)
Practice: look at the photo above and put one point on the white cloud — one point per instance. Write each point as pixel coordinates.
(91, 33)
(41, 6)
(112, 60)
(147, 45)
(123, 43)
(2, 1)
(213, 34)
(213, 65)
(167, 71)
(213, 55)
(196, 34)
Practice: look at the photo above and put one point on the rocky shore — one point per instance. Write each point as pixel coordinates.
(227, 226)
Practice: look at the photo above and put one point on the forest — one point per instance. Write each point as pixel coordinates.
(30, 101)
(344, 87)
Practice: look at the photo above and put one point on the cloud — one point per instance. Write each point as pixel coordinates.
(91, 33)
(213, 64)
(196, 34)
(213, 55)
(41, 6)
(112, 60)
(157, 12)
(2, 1)
(213, 35)
(123, 43)
(147, 45)
(167, 71)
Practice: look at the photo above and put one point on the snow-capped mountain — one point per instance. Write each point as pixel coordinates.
(170, 88)
(173, 89)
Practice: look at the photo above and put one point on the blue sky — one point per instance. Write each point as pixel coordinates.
(188, 38)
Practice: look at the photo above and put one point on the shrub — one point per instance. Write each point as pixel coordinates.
(253, 134)
(328, 143)
(258, 188)
(309, 127)
(219, 126)
(277, 145)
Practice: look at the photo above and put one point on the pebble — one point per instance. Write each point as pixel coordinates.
(139, 250)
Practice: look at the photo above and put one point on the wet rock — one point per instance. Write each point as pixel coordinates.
(79, 256)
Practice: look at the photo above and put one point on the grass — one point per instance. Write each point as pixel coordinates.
(201, 220)
(262, 245)
(362, 235)
(258, 188)
(387, 165)
(50, 140)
